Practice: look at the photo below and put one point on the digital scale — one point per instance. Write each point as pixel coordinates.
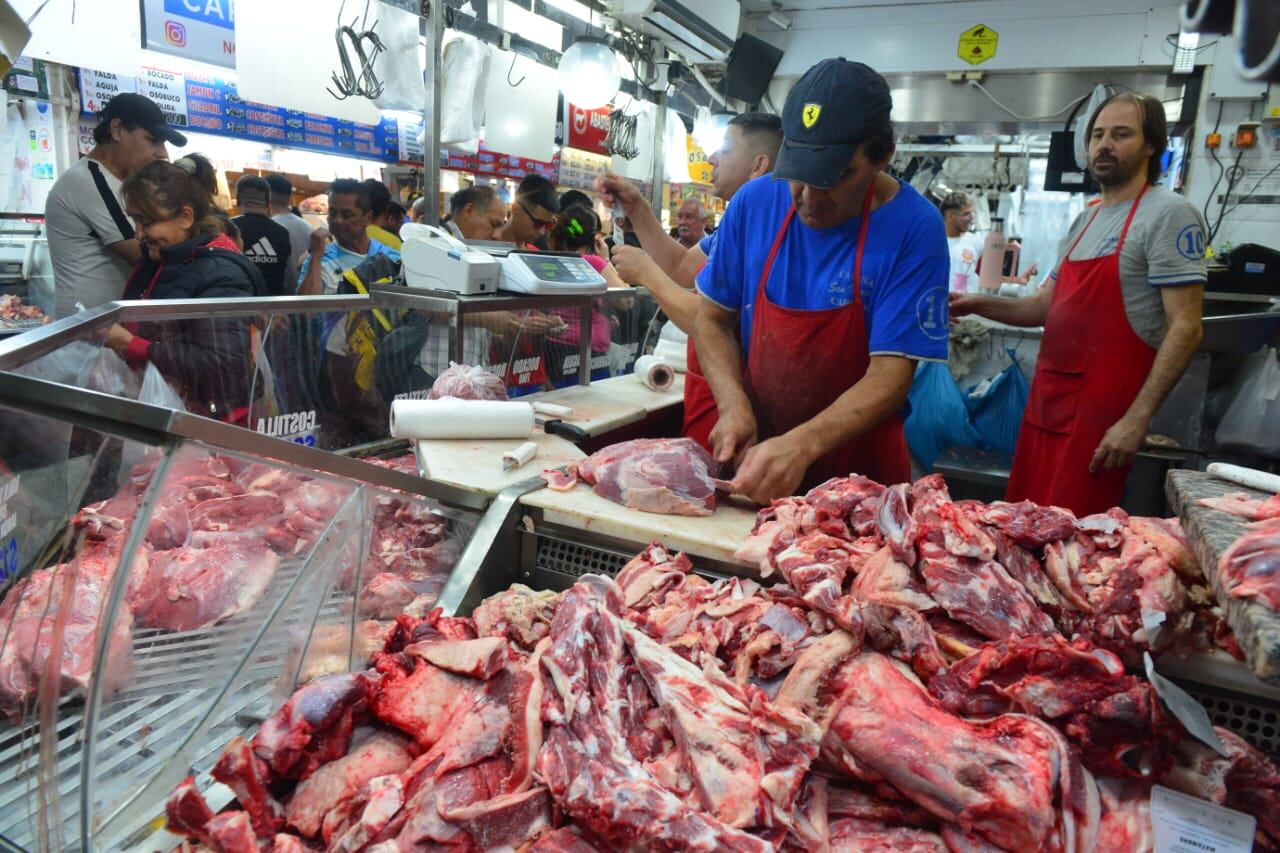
(548, 274)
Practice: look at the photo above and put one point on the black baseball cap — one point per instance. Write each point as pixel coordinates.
(140, 111)
(834, 108)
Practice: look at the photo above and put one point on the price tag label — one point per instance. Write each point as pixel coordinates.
(1184, 824)
(1189, 712)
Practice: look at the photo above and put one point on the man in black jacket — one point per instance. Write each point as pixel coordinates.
(266, 242)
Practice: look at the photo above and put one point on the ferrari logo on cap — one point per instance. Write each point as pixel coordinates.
(810, 114)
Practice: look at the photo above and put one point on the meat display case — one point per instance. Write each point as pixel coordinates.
(253, 564)
(272, 365)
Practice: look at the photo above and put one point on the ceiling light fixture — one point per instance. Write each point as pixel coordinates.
(589, 73)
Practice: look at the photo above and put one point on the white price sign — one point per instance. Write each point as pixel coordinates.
(98, 87)
(1185, 824)
(169, 91)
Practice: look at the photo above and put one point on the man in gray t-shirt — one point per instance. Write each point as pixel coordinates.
(1164, 248)
(299, 229)
(92, 241)
(1121, 314)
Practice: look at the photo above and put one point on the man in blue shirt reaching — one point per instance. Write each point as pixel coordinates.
(834, 277)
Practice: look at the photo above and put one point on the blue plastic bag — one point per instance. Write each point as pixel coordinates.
(996, 407)
(938, 418)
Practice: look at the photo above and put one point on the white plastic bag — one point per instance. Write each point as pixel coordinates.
(1252, 421)
(110, 375)
(156, 390)
(464, 77)
(399, 67)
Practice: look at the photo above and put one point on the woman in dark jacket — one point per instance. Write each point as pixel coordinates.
(186, 254)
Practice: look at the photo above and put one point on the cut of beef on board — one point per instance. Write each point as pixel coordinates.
(670, 476)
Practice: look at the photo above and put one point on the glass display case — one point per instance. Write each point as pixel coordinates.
(26, 274)
(322, 371)
(166, 581)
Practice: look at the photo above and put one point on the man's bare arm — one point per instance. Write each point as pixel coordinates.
(1027, 311)
(1183, 306)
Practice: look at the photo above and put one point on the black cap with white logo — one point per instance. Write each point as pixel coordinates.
(140, 111)
(835, 107)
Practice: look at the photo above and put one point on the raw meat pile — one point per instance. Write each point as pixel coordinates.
(1250, 568)
(973, 572)
(12, 310)
(662, 475)
(468, 383)
(1245, 506)
(213, 545)
(662, 711)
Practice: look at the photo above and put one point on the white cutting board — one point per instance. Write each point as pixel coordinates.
(629, 389)
(714, 536)
(476, 464)
(594, 410)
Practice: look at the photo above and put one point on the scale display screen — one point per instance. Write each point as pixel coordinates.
(560, 270)
(531, 272)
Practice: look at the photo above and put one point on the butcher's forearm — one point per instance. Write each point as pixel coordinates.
(856, 412)
(680, 304)
(1028, 311)
(1175, 353)
(721, 359)
(654, 239)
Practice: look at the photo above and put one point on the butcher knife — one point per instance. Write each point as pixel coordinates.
(520, 456)
(555, 426)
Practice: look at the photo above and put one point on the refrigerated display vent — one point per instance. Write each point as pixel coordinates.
(1257, 723)
(575, 559)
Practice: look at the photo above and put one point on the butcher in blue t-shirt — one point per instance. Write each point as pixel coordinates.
(835, 276)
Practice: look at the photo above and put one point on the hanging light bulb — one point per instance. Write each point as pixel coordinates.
(589, 73)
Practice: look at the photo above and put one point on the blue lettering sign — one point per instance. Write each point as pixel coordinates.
(218, 13)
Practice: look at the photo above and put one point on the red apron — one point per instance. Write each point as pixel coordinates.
(1091, 366)
(700, 412)
(801, 361)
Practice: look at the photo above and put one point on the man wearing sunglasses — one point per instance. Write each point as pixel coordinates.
(533, 213)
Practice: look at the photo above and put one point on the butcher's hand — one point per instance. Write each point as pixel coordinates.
(772, 469)
(634, 265)
(733, 434)
(963, 304)
(1120, 444)
(617, 191)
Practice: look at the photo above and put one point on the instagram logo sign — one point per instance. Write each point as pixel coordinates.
(175, 33)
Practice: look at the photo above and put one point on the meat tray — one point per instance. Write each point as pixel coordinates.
(87, 758)
(1210, 532)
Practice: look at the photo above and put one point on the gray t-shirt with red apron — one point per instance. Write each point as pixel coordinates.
(1164, 248)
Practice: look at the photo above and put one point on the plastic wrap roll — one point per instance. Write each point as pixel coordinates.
(452, 418)
(655, 373)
